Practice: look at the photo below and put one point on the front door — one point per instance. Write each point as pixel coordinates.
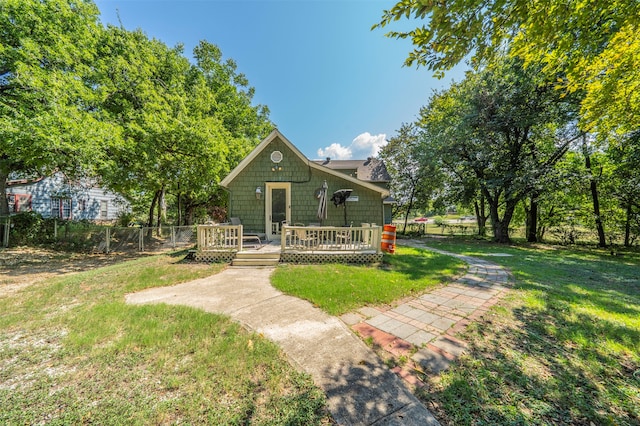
(278, 207)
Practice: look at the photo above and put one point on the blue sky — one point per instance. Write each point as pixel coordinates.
(334, 87)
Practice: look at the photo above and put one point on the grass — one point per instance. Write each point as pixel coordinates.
(338, 288)
(564, 348)
(71, 352)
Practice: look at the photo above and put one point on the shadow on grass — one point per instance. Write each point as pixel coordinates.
(565, 351)
(422, 264)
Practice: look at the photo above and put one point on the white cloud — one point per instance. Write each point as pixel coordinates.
(367, 145)
(363, 146)
(336, 152)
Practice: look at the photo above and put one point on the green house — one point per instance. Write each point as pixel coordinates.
(276, 183)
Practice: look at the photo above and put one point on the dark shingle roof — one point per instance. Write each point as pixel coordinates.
(369, 170)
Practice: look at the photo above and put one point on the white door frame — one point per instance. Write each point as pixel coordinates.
(273, 229)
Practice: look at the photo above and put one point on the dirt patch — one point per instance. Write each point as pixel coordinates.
(24, 266)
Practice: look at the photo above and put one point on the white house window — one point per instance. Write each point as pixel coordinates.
(61, 208)
(66, 208)
(55, 207)
(104, 209)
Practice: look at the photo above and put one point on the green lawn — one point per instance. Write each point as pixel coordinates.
(338, 288)
(72, 352)
(563, 348)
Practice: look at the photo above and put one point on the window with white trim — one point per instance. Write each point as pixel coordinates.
(61, 208)
(104, 209)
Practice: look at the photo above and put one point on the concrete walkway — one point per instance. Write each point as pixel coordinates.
(360, 389)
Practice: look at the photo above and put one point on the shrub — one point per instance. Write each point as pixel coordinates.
(26, 228)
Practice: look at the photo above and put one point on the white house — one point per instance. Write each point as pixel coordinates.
(57, 196)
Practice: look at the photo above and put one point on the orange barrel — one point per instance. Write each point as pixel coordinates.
(389, 238)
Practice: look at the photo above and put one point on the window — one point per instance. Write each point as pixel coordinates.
(19, 202)
(61, 208)
(55, 207)
(11, 200)
(66, 208)
(104, 209)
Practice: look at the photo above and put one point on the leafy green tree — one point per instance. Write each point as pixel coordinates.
(504, 128)
(457, 183)
(225, 100)
(590, 45)
(594, 175)
(49, 115)
(414, 176)
(184, 125)
(142, 88)
(624, 185)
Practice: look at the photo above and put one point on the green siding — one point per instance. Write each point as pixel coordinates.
(305, 181)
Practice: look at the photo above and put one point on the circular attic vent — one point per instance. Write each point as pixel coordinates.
(276, 156)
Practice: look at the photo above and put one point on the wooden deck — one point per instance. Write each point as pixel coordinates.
(298, 244)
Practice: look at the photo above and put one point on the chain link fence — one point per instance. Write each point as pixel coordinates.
(91, 238)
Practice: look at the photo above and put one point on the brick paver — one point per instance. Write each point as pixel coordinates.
(429, 322)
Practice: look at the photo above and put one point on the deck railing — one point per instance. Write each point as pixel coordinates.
(331, 238)
(219, 237)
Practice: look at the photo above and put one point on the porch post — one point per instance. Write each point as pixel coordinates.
(283, 238)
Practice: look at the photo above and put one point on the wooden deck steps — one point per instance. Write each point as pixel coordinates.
(256, 258)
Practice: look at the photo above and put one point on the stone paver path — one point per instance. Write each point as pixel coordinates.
(430, 321)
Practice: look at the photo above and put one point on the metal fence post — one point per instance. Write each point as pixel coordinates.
(107, 235)
(55, 229)
(5, 235)
(141, 240)
(173, 237)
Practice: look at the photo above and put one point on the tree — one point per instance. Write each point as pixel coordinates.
(589, 45)
(183, 125)
(413, 176)
(503, 127)
(595, 195)
(49, 118)
(624, 184)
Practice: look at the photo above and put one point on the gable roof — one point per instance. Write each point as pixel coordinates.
(370, 170)
(314, 165)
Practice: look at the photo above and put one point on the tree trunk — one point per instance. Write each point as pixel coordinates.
(481, 216)
(179, 207)
(189, 211)
(602, 241)
(501, 226)
(4, 205)
(152, 209)
(162, 208)
(532, 219)
(542, 229)
(151, 212)
(627, 225)
(406, 216)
